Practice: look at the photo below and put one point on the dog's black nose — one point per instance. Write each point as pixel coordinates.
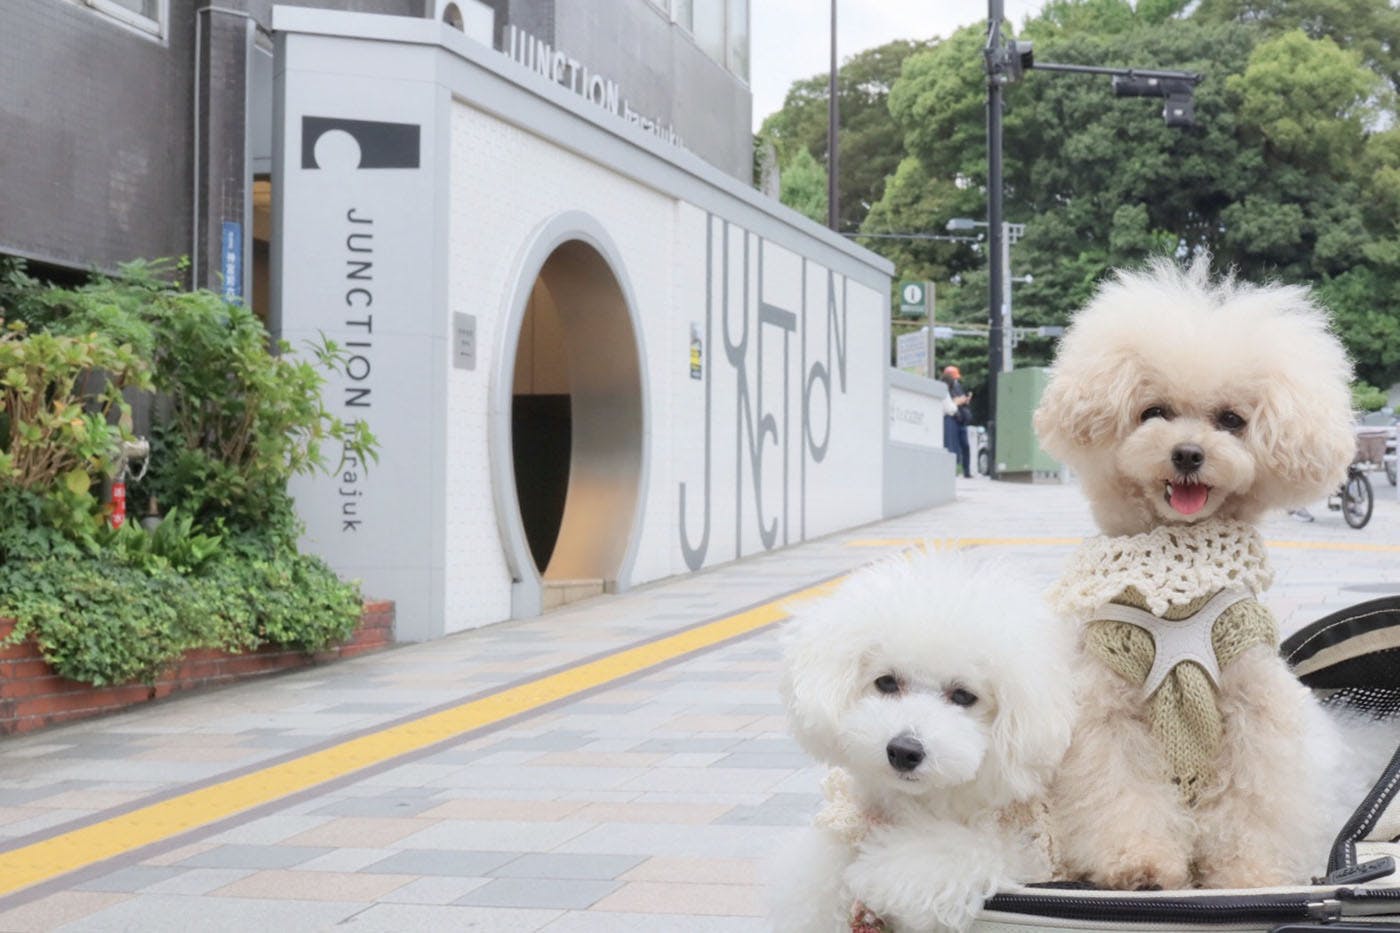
(905, 752)
(1187, 458)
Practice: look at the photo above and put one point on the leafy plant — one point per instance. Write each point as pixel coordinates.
(242, 418)
(60, 396)
(222, 570)
(99, 621)
(1366, 397)
(173, 543)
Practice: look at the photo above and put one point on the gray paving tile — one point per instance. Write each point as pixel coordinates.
(418, 918)
(244, 856)
(270, 830)
(19, 796)
(613, 708)
(768, 746)
(696, 744)
(539, 892)
(435, 890)
(431, 862)
(383, 805)
(131, 879)
(560, 866)
(684, 841)
(494, 835)
(609, 922)
(272, 740)
(777, 810)
(386, 708)
(175, 914)
(791, 761)
(197, 881)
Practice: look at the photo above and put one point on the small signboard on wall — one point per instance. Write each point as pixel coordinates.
(697, 353)
(231, 260)
(464, 340)
(911, 352)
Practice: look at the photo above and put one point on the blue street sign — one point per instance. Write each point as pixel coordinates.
(231, 260)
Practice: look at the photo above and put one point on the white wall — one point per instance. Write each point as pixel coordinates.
(769, 485)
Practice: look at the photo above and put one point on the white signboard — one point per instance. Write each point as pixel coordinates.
(357, 187)
(911, 352)
(915, 418)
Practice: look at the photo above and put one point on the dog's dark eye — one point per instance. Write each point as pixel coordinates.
(1156, 411)
(887, 683)
(1228, 421)
(961, 697)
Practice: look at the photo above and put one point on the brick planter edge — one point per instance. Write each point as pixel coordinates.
(33, 697)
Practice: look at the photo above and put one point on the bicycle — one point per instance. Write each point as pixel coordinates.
(1354, 497)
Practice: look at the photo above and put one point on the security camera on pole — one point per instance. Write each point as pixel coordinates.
(1007, 62)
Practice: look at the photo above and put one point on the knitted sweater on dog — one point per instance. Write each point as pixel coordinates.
(1172, 572)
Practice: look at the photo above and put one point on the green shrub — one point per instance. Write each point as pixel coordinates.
(62, 414)
(242, 419)
(111, 606)
(132, 602)
(1366, 397)
(99, 621)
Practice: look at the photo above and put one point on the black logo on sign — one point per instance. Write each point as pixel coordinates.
(381, 145)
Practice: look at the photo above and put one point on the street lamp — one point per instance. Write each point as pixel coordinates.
(1001, 329)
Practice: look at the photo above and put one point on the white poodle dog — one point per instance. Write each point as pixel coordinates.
(1188, 408)
(938, 690)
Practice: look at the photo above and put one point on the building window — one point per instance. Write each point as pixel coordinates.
(709, 28)
(148, 16)
(683, 12)
(739, 38)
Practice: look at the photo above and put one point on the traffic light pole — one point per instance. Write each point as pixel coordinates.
(996, 231)
(1006, 62)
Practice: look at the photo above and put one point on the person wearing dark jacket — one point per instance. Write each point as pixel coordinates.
(955, 425)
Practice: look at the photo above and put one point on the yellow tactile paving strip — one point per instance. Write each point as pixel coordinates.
(118, 835)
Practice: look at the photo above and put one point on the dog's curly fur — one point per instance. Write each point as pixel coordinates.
(956, 662)
(1251, 378)
(1170, 338)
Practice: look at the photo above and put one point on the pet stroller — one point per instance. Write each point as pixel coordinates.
(1350, 659)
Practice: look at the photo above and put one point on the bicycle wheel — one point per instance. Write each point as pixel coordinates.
(984, 462)
(1356, 500)
(1390, 470)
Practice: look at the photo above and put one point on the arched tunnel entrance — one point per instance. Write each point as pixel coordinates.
(576, 424)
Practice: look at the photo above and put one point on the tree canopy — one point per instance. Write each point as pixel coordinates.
(1291, 173)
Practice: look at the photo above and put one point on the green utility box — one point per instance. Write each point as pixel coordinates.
(1019, 457)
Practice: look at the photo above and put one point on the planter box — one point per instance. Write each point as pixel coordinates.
(32, 696)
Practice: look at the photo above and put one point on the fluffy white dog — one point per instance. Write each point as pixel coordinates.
(938, 690)
(1188, 408)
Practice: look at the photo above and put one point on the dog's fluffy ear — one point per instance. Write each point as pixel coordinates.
(1302, 425)
(820, 661)
(1035, 713)
(1088, 401)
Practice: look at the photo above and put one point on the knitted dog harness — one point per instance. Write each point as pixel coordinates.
(1167, 610)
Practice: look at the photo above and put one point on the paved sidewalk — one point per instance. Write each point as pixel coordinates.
(647, 805)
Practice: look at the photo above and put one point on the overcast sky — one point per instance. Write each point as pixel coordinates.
(791, 38)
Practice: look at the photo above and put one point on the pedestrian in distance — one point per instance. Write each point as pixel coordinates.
(955, 424)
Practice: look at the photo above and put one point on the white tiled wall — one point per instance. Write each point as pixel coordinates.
(505, 184)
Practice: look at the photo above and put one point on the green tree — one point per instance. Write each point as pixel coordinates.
(870, 143)
(804, 184)
(1292, 171)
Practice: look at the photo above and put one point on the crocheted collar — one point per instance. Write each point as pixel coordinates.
(1170, 565)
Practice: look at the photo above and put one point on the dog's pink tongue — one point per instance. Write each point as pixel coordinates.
(1189, 498)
